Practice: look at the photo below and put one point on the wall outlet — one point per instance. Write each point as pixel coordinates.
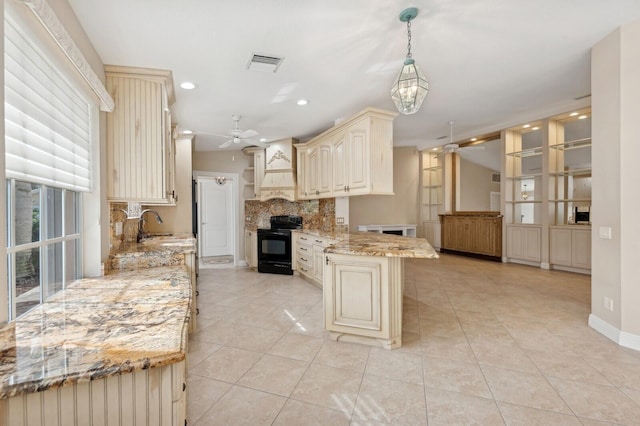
(118, 228)
(607, 303)
(604, 232)
(340, 220)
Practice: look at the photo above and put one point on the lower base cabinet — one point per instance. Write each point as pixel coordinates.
(570, 247)
(308, 256)
(523, 243)
(363, 299)
(251, 248)
(156, 396)
(472, 233)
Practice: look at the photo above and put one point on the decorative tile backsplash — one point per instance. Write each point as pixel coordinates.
(316, 214)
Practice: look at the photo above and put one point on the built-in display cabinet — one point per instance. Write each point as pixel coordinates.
(352, 158)
(432, 197)
(547, 192)
(140, 146)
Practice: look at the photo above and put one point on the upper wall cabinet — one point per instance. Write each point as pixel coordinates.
(140, 150)
(353, 158)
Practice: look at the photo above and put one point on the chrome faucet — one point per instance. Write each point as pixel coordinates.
(141, 234)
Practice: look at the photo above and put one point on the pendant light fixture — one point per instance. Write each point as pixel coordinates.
(411, 86)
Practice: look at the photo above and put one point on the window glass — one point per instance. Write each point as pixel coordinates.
(72, 260)
(72, 213)
(54, 212)
(27, 213)
(27, 278)
(54, 269)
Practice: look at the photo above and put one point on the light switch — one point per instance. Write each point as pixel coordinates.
(604, 232)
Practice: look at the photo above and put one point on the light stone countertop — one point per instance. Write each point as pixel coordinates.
(376, 244)
(98, 327)
(152, 252)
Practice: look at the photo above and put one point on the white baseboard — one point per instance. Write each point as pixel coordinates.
(622, 338)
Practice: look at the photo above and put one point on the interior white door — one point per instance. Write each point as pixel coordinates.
(216, 218)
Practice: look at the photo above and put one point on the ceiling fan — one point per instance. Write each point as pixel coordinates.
(237, 135)
(454, 147)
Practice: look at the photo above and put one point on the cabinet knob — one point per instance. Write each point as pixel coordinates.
(184, 386)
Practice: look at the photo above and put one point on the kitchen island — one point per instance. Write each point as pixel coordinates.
(363, 282)
(103, 349)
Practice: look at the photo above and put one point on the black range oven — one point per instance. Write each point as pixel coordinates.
(274, 245)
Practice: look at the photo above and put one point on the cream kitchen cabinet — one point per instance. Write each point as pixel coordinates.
(140, 146)
(352, 158)
(317, 176)
(363, 297)
(309, 256)
(257, 169)
(251, 248)
(570, 246)
(355, 161)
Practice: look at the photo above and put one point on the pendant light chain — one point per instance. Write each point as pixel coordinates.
(409, 38)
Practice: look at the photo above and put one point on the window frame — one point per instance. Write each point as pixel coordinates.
(43, 243)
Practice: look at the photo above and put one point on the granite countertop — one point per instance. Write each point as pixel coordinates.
(174, 243)
(98, 327)
(377, 244)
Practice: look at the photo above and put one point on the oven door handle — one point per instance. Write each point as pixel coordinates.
(280, 234)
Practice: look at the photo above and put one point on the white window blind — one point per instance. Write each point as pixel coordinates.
(47, 120)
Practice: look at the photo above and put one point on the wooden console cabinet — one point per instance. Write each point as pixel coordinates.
(475, 233)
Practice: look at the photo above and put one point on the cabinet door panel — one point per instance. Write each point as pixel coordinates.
(339, 163)
(358, 158)
(560, 247)
(357, 296)
(581, 249)
(325, 170)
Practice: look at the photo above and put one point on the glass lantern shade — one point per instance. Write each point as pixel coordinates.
(410, 88)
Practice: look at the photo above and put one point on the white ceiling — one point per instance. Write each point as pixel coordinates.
(490, 63)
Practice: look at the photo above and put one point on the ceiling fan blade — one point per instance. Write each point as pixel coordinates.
(247, 134)
(256, 143)
(226, 144)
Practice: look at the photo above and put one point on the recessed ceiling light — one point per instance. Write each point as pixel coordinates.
(263, 139)
(526, 126)
(434, 149)
(535, 128)
(573, 114)
(582, 117)
(187, 132)
(474, 139)
(302, 102)
(188, 85)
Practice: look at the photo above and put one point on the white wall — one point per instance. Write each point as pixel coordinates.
(177, 219)
(616, 199)
(401, 208)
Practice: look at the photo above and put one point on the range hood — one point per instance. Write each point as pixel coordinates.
(280, 171)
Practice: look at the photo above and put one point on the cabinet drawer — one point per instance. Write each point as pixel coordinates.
(303, 239)
(305, 265)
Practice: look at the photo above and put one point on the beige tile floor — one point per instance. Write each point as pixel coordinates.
(483, 343)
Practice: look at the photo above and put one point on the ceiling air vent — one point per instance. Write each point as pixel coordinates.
(264, 63)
